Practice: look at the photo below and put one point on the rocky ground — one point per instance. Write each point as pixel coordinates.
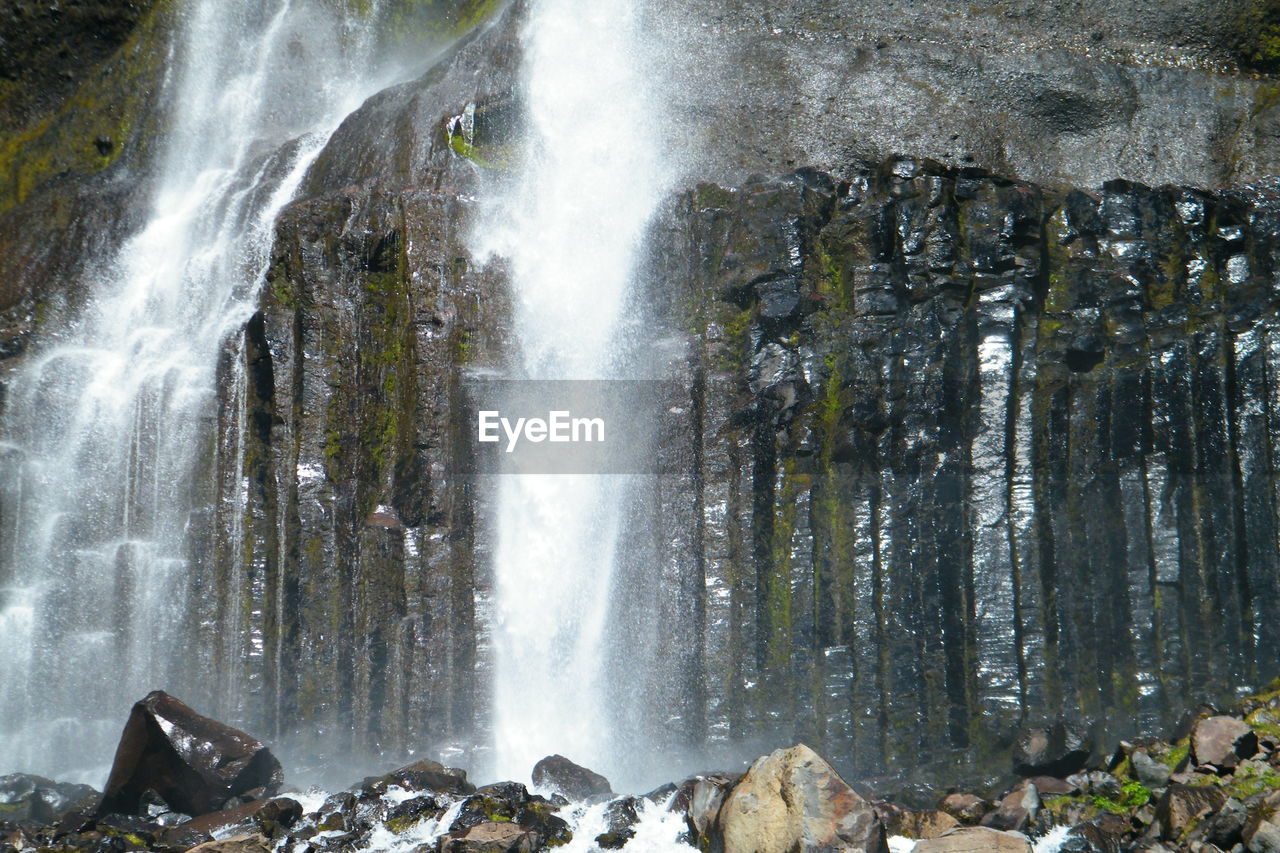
(182, 781)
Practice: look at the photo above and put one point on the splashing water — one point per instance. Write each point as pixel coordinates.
(591, 179)
(108, 424)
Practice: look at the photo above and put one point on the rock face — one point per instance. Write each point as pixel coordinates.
(192, 763)
(563, 776)
(791, 801)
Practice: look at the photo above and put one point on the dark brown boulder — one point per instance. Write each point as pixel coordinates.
(559, 774)
(1183, 806)
(194, 764)
(423, 775)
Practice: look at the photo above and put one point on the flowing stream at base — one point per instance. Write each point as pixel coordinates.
(107, 425)
(591, 177)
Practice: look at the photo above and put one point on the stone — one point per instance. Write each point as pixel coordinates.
(925, 824)
(1221, 742)
(559, 774)
(1182, 806)
(252, 843)
(975, 839)
(27, 798)
(621, 815)
(1089, 837)
(1261, 831)
(1149, 771)
(700, 798)
(1058, 750)
(492, 837)
(196, 765)
(792, 801)
(966, 808)
(423, 775)
(1016, 811)
(1223, 829)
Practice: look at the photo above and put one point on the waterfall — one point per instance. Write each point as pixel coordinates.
(591, 177)
(109, 423)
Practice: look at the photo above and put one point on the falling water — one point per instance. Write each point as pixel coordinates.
(591, 178)
(108, 423)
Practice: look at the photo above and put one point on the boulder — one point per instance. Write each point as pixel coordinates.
(700, 798)
(263, 815)
(1090, 837)
(1182, 806)
(490, 837)
(1058, 750)
(1261, 831)
(1016, 811)
(926, 824)
(621, 815)
(34, 799)
(966, 808)
(1221, 742)
(194, 764)
(975, 839)
(253, 843)
(791, 801)
(1149, 771)
(559, 774)
(423, 775)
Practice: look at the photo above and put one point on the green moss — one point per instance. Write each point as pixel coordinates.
(1258, 35)
(91, 130)
(1175, 756)
(1133, 795)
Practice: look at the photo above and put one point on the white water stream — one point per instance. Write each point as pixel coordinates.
(109, 421)
(592, 175)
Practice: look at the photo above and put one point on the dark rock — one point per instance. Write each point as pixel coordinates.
(1095, 783)
(1089, 837)
(1221, 742)
(621, 815)
(559, 774)
(422, 776)
(1058, 750)
(1149, 771)
(194, 764)
(1261, 832)
(1224, 828)
(1052, 787)
(34, 799)
(1183, 806)
(791, 801)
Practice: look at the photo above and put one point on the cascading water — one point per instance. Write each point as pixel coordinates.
(592, 175)
(108, 422)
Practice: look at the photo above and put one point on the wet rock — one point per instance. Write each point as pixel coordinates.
(423, 775)
(1058, 750)
(1221, 742)
(490, 838)
(975, 839)
(791, 801)
(193, 763)
(1095, 783)
(700, 798)
(267, 816)
(1089, 837)
(621, 815)
(559, 774)
(1016, 811)
(1183, 806)
(26, 798)
(966, 808)
(236, 844)
(1049, 786)
(1149, 771)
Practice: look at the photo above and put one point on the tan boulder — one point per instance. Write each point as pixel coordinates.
(791, 801)
(975, 839)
